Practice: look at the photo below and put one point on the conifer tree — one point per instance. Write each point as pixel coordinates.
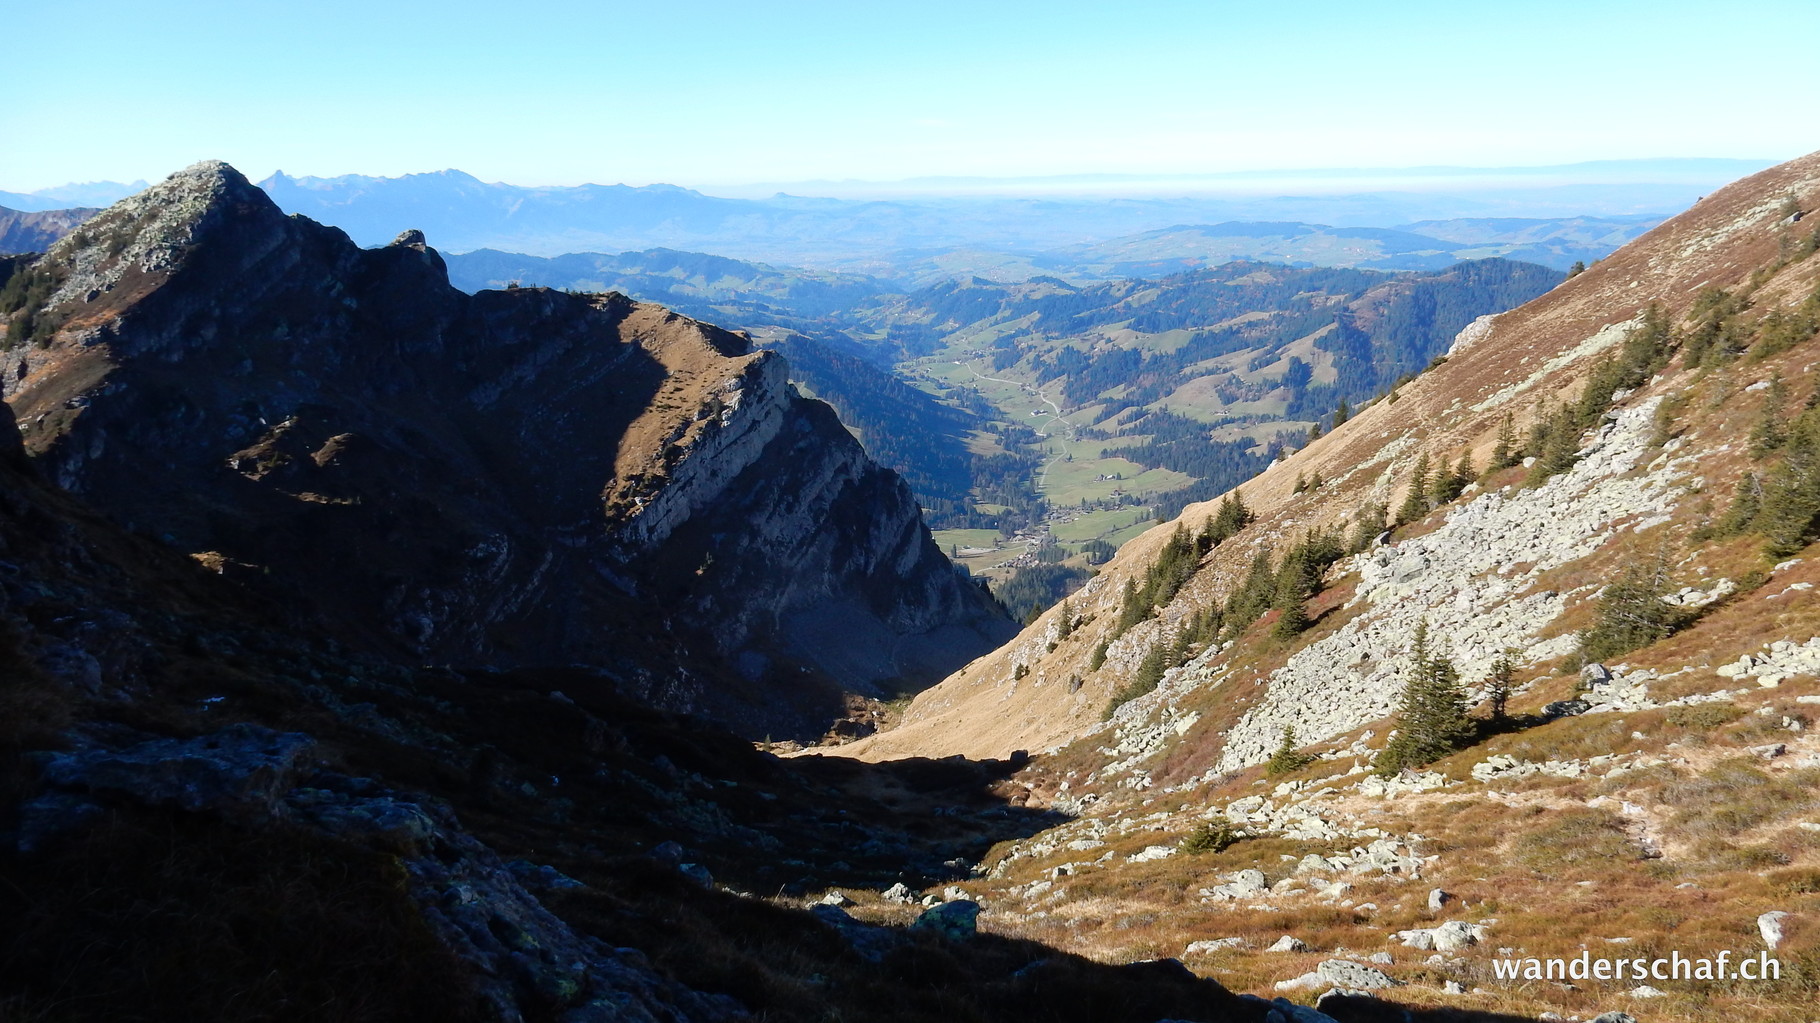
(1560, 446)
(1447, 484)
(1341, 413)
(1631, 613)
(1254, 595)
(1131, 609)
(1504, 454)
(1498, 686)
(1287, 757)
(1431, 720)
(1292, 592)
(1231, 517)
(1415, 503)
(1770, 433)
(1066, 627)
(1747, 502)
(1368, 525)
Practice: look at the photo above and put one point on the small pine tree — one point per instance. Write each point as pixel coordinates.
(1367, 526)
(1132, 609)
(1211, 837)
(1287, 757)
(1447, 484)
(1431, 721)
(1504, 454)
(1770, 432)
(1065, 626)
(1789, 518)
(1498, 686)
(1292, 592)
(1204, 540)
(1149, 674)
(1560, 446)
(1343, 411)
(1631, 614)
(1747, 501)
(1098, 659)
(1415, 503)
(1254, 596)
(1231, 517)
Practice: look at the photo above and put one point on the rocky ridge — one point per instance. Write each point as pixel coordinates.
(508, 478)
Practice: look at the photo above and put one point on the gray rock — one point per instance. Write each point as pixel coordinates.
(1770, 926)
(1437, 899)
(1453, 987)
(1614, 1016)
(697, 873)
(540, 877)
(1408, 567)
(384, 820)
(900, 892)
(241, 766)
(1348, 974)
(871, 941)
(1250, 881)
(1565, 709)
(958, 920)
(1288, 943)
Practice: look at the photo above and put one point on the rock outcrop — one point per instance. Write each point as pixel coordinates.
(515, 477)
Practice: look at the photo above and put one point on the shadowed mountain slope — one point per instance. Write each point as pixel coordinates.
(515, 477)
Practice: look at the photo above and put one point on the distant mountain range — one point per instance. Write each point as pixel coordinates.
(21, 231)
(887, 237)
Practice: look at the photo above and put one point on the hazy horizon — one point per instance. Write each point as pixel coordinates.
(1699, 171)
(718, 94)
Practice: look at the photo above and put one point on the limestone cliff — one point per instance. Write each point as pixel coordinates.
(514, 477)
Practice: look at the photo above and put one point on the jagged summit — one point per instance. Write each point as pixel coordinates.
(512, 477)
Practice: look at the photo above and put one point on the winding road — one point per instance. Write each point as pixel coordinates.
(1055, 416)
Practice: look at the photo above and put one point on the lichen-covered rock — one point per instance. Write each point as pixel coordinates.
(956, 920)
(1348, 974)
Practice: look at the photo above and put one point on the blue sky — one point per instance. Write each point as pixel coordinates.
(706, 93)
